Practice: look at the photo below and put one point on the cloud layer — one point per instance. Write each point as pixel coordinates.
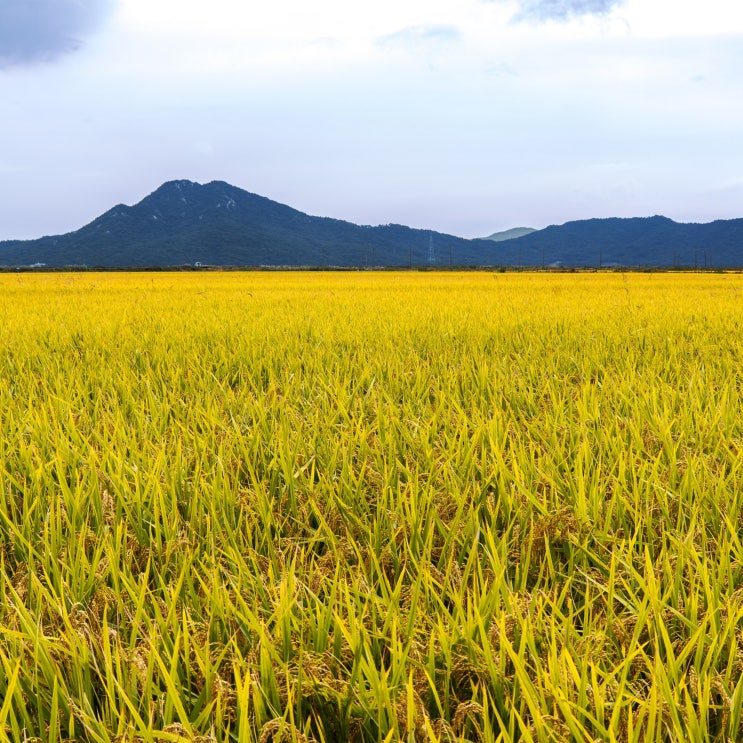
(42, 30)
(563, 10)
(414, 36)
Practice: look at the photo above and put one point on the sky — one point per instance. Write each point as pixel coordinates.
(462, 116)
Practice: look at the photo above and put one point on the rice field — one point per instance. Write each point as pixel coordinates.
(371, 507)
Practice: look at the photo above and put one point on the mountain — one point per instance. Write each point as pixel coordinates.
(184, 223)
(649, 241)
(510, 234)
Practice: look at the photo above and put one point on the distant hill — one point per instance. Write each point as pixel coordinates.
(184, 223)
(649, 241)
(510, 234)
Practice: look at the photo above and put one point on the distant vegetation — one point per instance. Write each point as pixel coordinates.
(184, 223)
(371, 507)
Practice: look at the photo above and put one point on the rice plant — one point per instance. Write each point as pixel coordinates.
(371, 507)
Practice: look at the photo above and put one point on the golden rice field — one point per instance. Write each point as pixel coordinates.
(371, 507)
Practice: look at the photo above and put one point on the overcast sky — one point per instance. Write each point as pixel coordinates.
(464, 116)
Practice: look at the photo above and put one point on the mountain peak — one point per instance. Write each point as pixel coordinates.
(187, 223)
(178, 184)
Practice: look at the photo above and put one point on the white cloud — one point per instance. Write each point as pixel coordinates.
(563, 10)
(421, 35)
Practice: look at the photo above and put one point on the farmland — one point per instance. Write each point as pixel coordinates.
(354, 506)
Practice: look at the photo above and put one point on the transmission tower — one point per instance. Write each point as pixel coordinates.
(431, 254)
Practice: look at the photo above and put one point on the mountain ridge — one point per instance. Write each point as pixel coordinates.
(185, 223)
(635, 241)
